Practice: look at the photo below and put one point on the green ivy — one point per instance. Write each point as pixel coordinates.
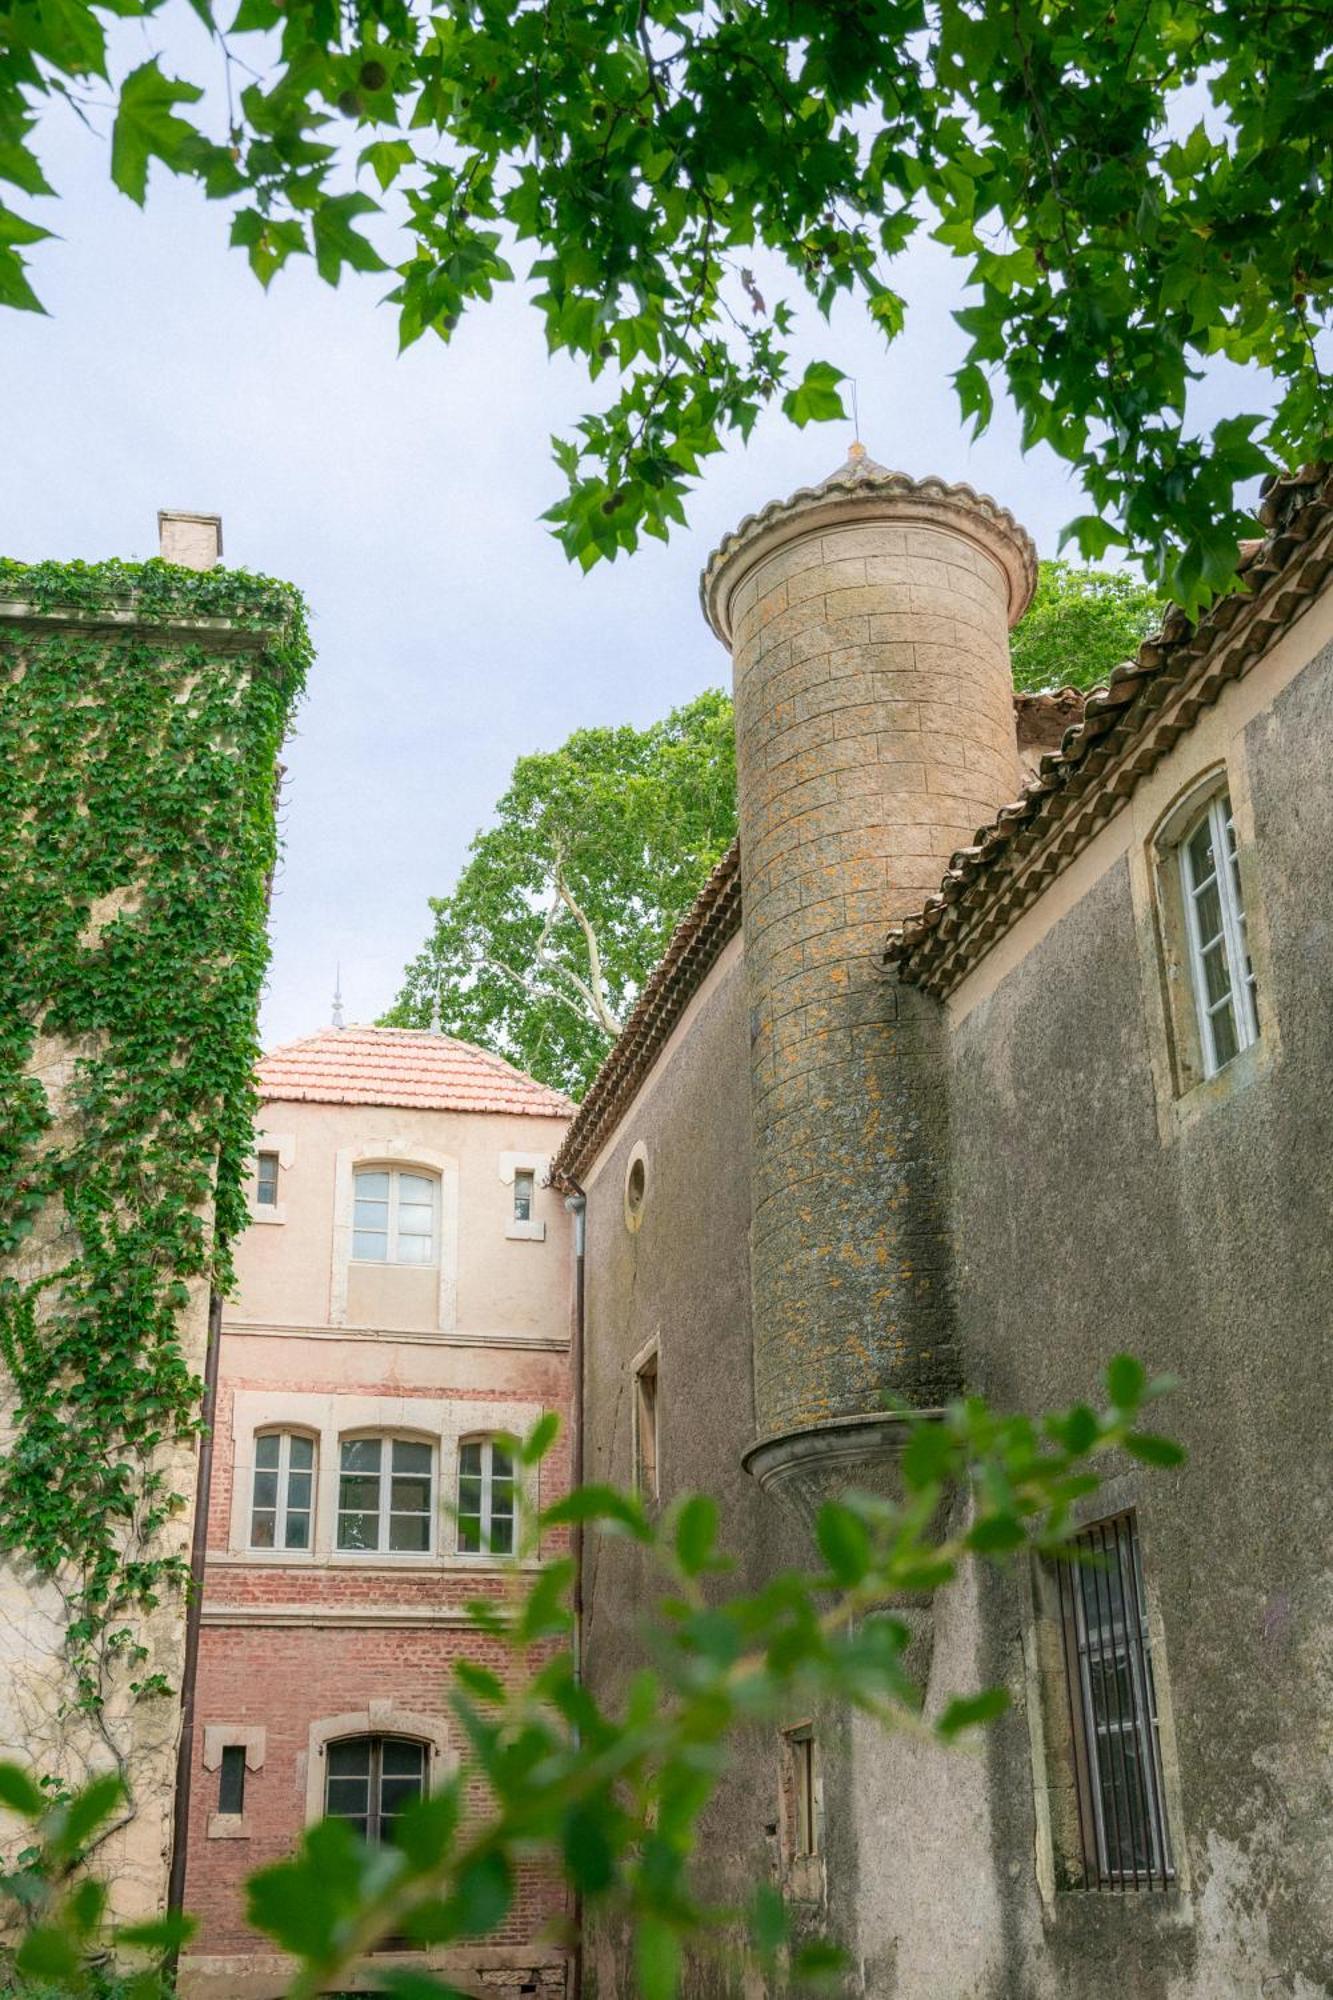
(142, 708)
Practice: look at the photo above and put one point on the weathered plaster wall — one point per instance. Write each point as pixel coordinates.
(682, 1279)
(1088, 1222)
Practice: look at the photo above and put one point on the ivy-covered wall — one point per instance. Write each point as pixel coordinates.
(142, 709)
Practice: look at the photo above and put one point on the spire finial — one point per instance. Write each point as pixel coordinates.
(436, 1024)
(338, 996)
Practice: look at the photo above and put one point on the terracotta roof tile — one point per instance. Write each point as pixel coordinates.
(1126, 729)
(405, 1066)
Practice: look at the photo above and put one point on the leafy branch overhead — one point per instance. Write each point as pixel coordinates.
(1132, 192)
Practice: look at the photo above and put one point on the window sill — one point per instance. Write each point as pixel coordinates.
(526, 1232)
(1204, 1096)
(227, 1826)
(269, 1211)
(390, 1560)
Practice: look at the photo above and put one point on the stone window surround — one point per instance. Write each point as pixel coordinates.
(284, 1145)
(441, 1421)
(650, 1351)
(219, 1736)
(634, 1212)
(380, 1718)
(539, 1166)
(803, 1877)
(1046, 1691)
(402, 1154)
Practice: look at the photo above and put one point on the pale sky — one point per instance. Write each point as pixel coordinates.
(402, 496)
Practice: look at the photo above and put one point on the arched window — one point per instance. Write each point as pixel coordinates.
(396, 1217)
(282, 1496)
(487, 1486)
(386, 1495)
(371, 1780)
(1221, 975)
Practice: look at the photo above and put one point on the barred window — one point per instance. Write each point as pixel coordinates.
(282, 1496)
(486, 1490)
(1113, 1711)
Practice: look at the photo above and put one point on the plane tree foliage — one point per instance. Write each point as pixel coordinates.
(567, 900)
(1133, 188)
(610, 1790)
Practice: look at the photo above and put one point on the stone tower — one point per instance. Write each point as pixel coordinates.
(868, 620)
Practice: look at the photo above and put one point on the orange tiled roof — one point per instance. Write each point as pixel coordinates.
(406, 1066)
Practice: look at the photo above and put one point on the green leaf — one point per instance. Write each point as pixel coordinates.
(815, 399)
(844, 1543)
(603, 1504)
(1126, 1380)
(696, 1533)
(590, 1855)
(928, 1456)
(146, 128)
(540, 1438)
(167, 1933)
(968, 1710)
(48, 1952)
(996, 1534)
(73, 1825)
(337, 242)
(657, 1959)
(1152, 1450)
(19, 1794)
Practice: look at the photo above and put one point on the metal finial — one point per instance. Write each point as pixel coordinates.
(858, 450)
(338, 997)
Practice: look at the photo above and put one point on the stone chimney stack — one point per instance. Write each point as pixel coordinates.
(868, 620)
(192, 541)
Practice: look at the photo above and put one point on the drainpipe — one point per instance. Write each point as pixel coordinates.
(193, 1618)
(577, 1204)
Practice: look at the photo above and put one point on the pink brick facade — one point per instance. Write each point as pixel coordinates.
(307, 1646)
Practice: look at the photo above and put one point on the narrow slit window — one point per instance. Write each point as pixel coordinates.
(805, 1838)
(386, 1496)
(487, 1489)
(283, 1493)
(646, 1459)
(1113, 1711)
(1221, 974)
(231, 1779)
(524, 1187)
(266, 1181)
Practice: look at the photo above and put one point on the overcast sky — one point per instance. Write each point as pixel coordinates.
(402, 496)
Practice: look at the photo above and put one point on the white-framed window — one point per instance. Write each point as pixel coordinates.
(282, 1497)
(487, 1496)
(386, 1495)
(266, 1180)
(370, 1780)
(525, 1189)
(395, 1216)
(1221, 975)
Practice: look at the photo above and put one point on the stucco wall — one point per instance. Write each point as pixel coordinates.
(1092, 1214)
(682, 1279)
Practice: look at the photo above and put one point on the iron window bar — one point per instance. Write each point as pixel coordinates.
(1123, 1832)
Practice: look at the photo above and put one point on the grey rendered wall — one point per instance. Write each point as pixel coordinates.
(682, 1278)
(1079, 1233)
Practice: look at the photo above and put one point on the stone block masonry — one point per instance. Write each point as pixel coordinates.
(868, 620)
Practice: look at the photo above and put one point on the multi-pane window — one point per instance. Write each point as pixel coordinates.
(266, 1181)
(371, 1780)
(282, 1497)
(385, 1495)
(1219, 956)
(524, 1184)
(1113, 1711)
(394, 1217)
(486, 1497)
(645, 1428)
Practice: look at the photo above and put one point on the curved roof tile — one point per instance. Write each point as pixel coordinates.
(406, 1066)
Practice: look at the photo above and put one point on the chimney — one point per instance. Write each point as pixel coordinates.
(868, 620)
(191, 541)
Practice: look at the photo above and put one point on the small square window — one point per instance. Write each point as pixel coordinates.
(524, 1194)
(266, 1181)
